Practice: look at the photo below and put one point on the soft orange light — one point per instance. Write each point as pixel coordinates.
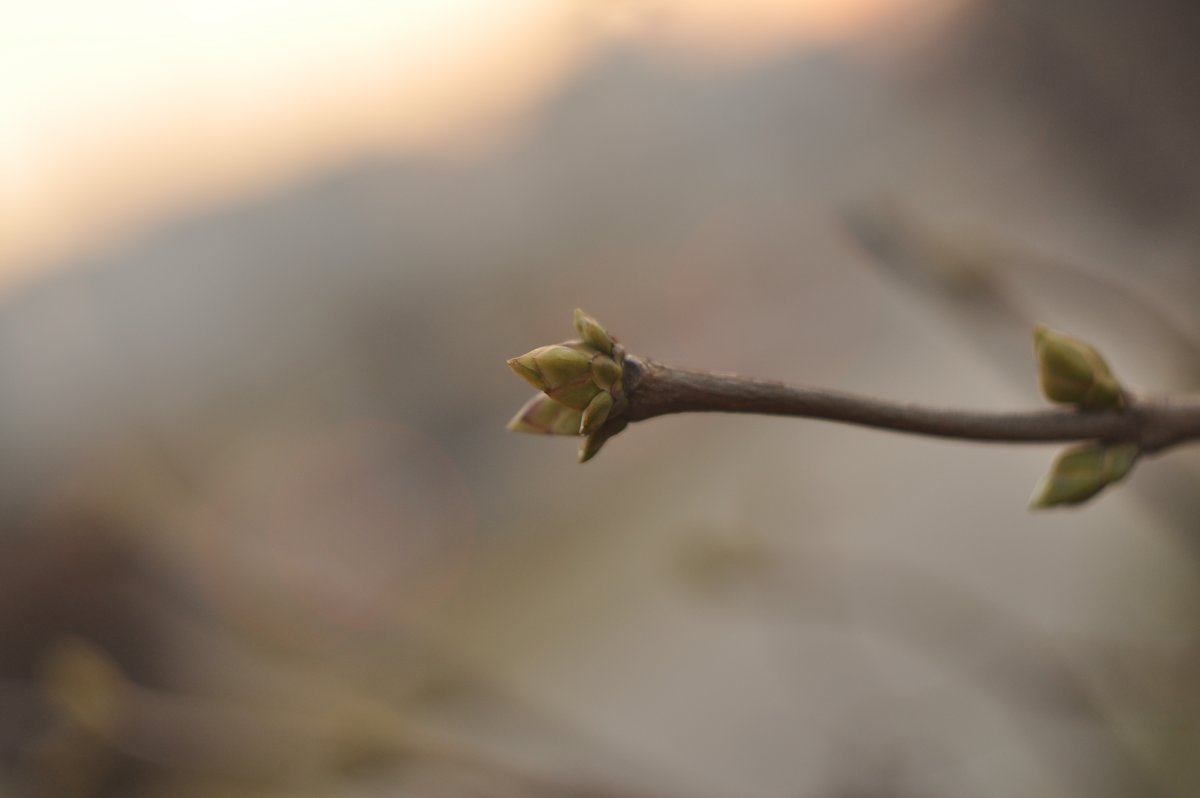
(120, 114)
(95, 149)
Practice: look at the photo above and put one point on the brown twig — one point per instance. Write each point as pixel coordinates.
(1152, 423)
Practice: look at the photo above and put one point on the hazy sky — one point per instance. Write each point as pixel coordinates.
(106, 103)
(122, 113)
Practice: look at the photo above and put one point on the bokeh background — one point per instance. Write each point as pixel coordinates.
(264, 533)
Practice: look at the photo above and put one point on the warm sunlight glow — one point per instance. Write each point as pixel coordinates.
(113, 110)
(121, 114)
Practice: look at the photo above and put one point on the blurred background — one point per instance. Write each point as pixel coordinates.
(264, 532)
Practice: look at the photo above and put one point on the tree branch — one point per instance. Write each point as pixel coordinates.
(593, 388)
(1152, 423)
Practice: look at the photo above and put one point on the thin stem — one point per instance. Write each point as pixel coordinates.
(1153, 424)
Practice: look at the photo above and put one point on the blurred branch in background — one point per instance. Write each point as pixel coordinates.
(973, 275)
(969, 281)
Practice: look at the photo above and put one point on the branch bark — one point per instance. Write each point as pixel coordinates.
(1152, 423)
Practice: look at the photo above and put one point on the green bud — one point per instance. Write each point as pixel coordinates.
(524, 367)
(542, 415)
(591, 445)
(606, 372)
(1080, 472)
(550, 367)
(1073, 372)
(578, 394)
(596, 413)
(592, 333)
(583, 386)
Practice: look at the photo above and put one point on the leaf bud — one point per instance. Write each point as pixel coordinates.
(1073, 372)
(549, 367)
(591, 445)
(606, 373)
(592, 333)
(596, 413)
(542, 415)
(1080, 472)
(583, 386)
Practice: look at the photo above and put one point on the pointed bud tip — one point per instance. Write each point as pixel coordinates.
(518, 424)
(591, 445)
(1040, 500)
(592, 333)
(525, 367)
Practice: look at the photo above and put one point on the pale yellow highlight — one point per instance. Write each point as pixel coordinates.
(106, 171)
(88, 169)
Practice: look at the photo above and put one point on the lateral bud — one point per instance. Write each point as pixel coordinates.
(1072, 372)
(1080, 472)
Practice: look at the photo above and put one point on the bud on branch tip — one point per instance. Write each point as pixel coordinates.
(582, 387)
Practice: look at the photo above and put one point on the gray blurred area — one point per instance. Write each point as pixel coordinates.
(266, 533)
